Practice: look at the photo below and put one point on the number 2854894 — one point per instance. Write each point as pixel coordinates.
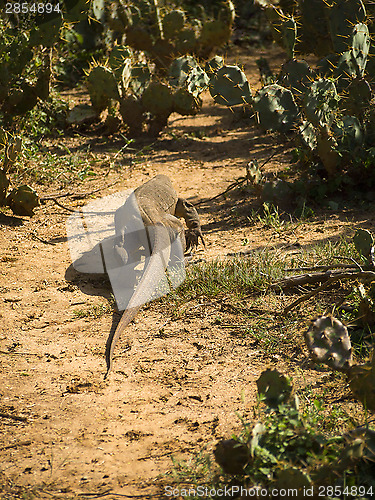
(31, 7)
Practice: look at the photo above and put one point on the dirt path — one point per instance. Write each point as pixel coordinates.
(176, 389)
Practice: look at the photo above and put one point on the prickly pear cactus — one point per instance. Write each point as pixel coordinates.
(186, 103)
(307, 135)
(158, 99)
(350, 63)
(186, 40)
(293, 478)
(139, 38)
(284, 29)
(213, 34)
(173, 22)
(118, 58)
(213, 65)
(76, 11)
(179, 70)
(102, 86)
(289, 34)
(232, 456)
(140, 78)
(276, 108)
(358, 97)
(328, 342)
(275, 387)
(327, 150)
(229, 87)
(360, 47)
(23, 200)
(362, 383)
(342, 15)
(47, 30)
(296, 76)
(320, 102)
(349, 134)
(132, 113)
(363, 242)
(197, 81)
(4, 184)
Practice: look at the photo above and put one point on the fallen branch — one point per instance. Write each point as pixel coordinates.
(363, 275)
(41, 239)
(61, 205)
(309, 279)
(238, 182)
(321, 268)
(76, 196)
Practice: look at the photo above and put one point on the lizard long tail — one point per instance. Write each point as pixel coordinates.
(153, 274)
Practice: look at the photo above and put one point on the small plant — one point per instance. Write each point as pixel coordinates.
(285, 451)
(21, 200)
(94, 311)
(271, 217)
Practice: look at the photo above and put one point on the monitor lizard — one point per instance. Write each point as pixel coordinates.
(160, 209)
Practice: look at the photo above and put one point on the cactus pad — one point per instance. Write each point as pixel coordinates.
(232, 456)
(358, 96)
(173, 22)
(296, 76)
(4, 184)
(197, 81)
(362, 383)
(230, 87)
(284, 29)
(328, 342)
(186, 103)
(138, 38)
(186, 40)
(179, 70)
(213, 65)
(349, 133)
(360, 46)
(293, 478)
(118, 58)
(307, 135)
(102, 86)
(132, 112)
(289, 34)
(140, 78)
(214, 33)
(47, 30)
(363, 242)
(320, 102)
(157, 99)
(275, 387)
(23, 200)
(276, 108)
(342, 15)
